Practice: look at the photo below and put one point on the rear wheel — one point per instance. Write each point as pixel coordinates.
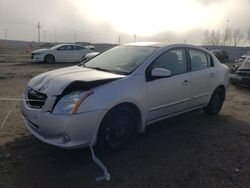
(49, 59)
(216, 102)
(117, 128)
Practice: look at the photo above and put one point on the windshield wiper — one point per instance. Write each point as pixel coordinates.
(106, 70)
(98, 68)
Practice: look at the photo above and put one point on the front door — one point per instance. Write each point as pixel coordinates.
(61, 54)
(166, 96)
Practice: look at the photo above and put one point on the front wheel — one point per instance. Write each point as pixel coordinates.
(216, 102)
(49, 59)
(117, 128)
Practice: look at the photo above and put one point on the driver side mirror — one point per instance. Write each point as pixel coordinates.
(160, 72)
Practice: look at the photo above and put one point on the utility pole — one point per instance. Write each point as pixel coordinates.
(119, 40)
(134, 37)
(38, 29)
(44, 35)
(75, 35)
(6, 33)
(55, 35)
(227, 23)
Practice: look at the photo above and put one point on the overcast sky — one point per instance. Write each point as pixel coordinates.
(106, 20)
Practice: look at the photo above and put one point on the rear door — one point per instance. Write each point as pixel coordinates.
(77, 53)
(169, 95)
(70, 53)
(203, 76)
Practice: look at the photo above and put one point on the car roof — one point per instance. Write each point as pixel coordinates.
(163, 45)
(60, 45)
(148, 44)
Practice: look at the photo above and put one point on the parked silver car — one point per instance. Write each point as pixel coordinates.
(117, 93)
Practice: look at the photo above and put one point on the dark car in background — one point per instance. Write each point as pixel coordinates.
(242, 74)
(221, 55)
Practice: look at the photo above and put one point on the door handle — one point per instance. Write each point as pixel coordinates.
(185, 82)
(211, 75)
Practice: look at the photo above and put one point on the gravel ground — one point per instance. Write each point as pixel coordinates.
(191, 150)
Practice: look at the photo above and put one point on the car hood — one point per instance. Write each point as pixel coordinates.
(245, 65)
(40, 50)
(55, 82)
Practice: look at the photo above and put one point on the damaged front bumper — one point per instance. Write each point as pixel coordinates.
(66, 131)
(37, 58)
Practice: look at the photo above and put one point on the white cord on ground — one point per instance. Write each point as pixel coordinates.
(7, 115)
(106, 175)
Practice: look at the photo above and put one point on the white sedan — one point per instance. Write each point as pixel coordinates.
(61, 53)
(108, 98)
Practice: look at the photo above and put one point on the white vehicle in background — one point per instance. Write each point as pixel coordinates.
(61, 53)
(91, 47)
(90, 55)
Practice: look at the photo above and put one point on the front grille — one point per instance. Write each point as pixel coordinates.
(35, 99)
(32, 55)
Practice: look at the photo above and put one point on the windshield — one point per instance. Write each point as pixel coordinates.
(121, 59)
(246, 63)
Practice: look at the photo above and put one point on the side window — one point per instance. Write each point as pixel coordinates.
(62, 48)
(69, 47)
(199, 60)
(172, 60)
(77, 48)
(81, 48)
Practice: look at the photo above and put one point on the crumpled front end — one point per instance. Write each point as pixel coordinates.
(67, 131)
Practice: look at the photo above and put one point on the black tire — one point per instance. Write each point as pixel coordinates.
(216, 102)
(117, 128)
(49, 59)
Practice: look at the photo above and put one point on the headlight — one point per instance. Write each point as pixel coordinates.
(70, 103)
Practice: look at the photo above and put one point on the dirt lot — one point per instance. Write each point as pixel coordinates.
(192, 150)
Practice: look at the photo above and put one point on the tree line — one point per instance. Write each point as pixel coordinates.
(229, 37)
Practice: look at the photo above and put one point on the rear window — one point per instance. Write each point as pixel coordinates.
(78, 48)
(199, 59)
